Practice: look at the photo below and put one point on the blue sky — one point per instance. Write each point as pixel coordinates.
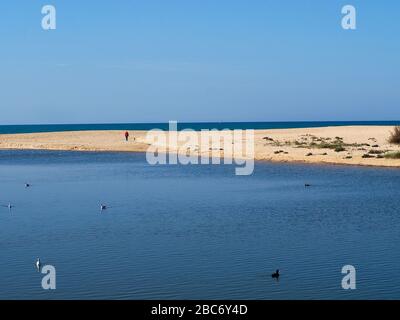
(154, 61)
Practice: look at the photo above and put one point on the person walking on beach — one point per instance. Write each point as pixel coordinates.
(126, 135)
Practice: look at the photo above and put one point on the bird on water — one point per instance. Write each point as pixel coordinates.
(9, 206)
(276, 274)
(38, 264)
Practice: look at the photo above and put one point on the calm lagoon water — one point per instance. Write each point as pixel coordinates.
(195, 232)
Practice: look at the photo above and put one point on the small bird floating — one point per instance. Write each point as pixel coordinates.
(275, 275)
(9, 206)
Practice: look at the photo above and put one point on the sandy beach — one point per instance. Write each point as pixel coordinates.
(352, 145)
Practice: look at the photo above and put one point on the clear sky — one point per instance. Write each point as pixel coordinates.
(198, 60)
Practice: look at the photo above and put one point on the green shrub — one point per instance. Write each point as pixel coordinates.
(375, 151)
(393, 155)
(367, 156)
(340, 149)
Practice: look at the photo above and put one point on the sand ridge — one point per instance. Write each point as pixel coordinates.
(353, 145)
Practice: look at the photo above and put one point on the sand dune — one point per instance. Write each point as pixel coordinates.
(355, 145)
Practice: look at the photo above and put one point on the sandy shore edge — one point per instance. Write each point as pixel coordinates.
(349, 145)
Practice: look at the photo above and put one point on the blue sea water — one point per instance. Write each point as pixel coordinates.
(4, 129)
(195, 232)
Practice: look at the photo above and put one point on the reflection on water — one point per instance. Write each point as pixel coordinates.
(195, 232)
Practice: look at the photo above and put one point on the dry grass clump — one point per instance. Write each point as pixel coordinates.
(395, 136)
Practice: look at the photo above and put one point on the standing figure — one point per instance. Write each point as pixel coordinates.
(126, 135)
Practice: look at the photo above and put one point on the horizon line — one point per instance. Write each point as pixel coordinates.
(194, 122)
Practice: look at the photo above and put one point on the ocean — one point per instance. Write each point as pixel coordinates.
(196, 231)
(10, 129)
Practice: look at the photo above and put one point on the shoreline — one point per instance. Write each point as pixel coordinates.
(337, 145)
(273, 161)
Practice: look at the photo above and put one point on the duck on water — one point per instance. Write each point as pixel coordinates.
(276, 274)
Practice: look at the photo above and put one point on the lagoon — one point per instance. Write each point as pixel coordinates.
(195, 232)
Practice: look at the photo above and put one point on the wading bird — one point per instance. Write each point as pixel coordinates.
(38, 264)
